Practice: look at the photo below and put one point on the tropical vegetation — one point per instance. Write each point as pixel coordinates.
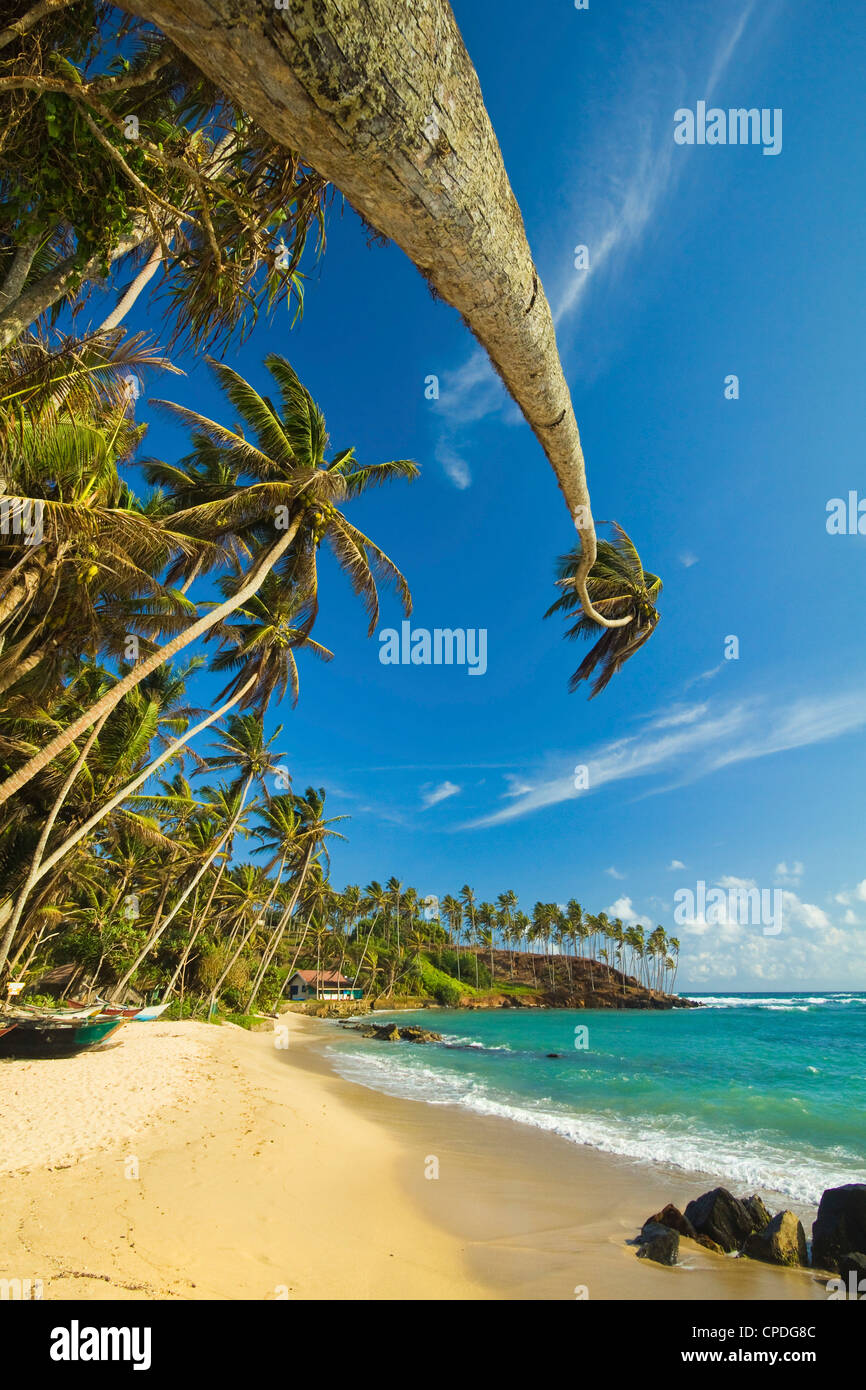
(152, 840)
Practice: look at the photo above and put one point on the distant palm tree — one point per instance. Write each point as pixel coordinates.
(245, 750)
(467, 898)
(619, 587)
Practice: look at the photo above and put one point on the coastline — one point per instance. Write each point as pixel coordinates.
(265, 1175)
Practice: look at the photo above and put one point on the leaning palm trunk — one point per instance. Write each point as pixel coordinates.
(194, 882)
(384, 102)
(38, 870)
(195, 928)
(293, 900)
(273, 946)
(109, 701)
(36, 862)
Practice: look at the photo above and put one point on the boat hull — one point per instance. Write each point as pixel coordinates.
(26, 1038)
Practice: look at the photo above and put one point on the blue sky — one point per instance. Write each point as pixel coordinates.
(704, 261)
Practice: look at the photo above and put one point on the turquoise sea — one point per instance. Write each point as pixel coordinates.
(766, 1092)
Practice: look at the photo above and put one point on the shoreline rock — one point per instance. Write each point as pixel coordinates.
(840, 1226)
(781, 1242)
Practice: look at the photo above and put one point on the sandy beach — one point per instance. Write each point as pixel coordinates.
(185, 1161)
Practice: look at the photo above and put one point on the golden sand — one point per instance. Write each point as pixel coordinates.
(190, 1162)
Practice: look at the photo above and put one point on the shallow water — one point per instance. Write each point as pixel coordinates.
(765, 1091)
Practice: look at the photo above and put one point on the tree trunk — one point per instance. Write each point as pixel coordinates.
(43, 868)
(251, 586)
(194, 882)
(142, 279)
(382, 99)
(36, 861)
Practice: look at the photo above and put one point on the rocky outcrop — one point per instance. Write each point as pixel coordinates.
(674, 1219)
(781, 1242)
(723, 1217)
(390, 1032)
(758, 1212)
(658, 1243)
(418, 1035)
(840, 1226)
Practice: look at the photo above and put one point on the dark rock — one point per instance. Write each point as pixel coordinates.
(853, 1262)
(721, 1216)
(840, 1226)
(386, 1032)
(658, 1243)
(758, 1212)
(553, 1054)
(419, 1035)
(782, 1242)
(709, 1244)
(674, 1219)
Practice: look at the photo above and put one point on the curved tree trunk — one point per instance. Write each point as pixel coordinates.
(382, 99)
(253, 581)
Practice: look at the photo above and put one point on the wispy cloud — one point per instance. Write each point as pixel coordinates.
(431, 796)
(635, 169)
(717, 739)
(613, 872)
(456, 467)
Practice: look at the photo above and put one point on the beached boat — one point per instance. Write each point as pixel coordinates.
(58, 1013)
(148, 1015)
(141, 1015)
(38, 1037)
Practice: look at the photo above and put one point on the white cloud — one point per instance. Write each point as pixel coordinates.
(517, 786)
(455, 467)
(705, 675)
(792, 874)
(688, 559)
(614, 873)
(677, 716)
(860, 890)
(623, 908)
(431, 796)
(676, 864)
(810, 916)
(720, 738)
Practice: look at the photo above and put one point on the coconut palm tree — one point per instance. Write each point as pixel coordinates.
(246, 751)
(467, 899)
(298, 829)
(619, 586)
(426, 173)
(282, 506)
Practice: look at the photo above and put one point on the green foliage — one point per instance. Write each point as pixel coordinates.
(444, 989)
(447, 961)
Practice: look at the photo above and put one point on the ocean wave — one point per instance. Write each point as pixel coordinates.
(743, 1161)
(774, 1001)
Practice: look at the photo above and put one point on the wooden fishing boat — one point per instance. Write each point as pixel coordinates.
(150, 1014)
(145, 1014)
(38, 1037)
(59, 1013)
